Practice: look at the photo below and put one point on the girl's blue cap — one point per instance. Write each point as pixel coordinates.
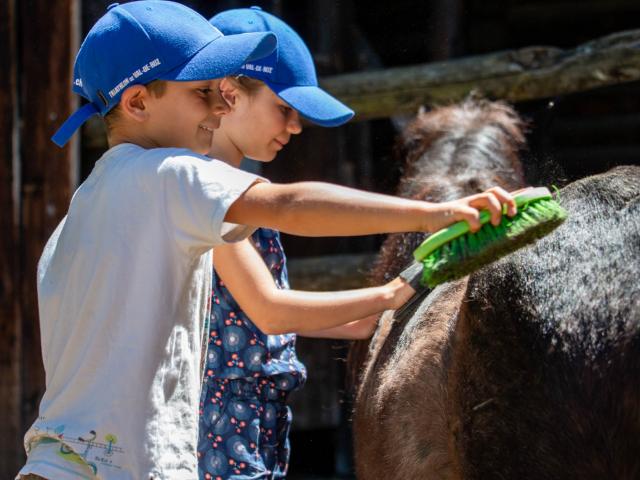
(138, 42)
(288, 71)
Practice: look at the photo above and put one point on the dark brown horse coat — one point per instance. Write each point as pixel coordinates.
(529, 368)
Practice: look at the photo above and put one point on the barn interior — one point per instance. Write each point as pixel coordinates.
(577, 128)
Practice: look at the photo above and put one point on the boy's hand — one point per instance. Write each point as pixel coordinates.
(467, 208)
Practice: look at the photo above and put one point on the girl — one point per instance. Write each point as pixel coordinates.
(251, 364)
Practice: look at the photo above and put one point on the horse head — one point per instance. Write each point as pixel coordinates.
(449, 153)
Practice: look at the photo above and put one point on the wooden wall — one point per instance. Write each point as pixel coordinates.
(36, 182)
(10, 320)
(579, 134)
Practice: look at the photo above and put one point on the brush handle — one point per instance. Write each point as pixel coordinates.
(413, 275)
(458, 229)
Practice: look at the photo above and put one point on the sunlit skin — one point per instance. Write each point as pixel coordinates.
(259, 125)
(185, 116)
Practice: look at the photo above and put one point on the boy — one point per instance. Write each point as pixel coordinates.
(124, 281)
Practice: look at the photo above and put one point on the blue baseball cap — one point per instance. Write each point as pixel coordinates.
(142, 41)
(289, 70)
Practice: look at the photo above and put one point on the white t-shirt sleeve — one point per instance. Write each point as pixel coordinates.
(197, 192)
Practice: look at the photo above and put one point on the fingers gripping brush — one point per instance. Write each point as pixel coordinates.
(454, 252)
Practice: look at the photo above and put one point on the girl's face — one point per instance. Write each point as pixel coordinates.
(259, 124)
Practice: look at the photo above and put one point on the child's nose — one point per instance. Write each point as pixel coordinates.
(219, 105)
(294, 125)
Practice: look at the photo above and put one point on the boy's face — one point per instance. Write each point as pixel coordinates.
(185, 115)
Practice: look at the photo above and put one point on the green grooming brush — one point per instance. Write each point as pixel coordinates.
(454, 252)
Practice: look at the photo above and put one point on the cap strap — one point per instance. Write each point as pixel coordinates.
(68, 128)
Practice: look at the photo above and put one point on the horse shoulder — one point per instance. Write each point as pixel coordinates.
(409, 369)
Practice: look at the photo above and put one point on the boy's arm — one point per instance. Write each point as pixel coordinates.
(322, 209)
(277, 311)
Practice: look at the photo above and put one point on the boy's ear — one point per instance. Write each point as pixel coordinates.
(133, 102)
(228, 91)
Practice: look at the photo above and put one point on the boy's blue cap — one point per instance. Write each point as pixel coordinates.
(289, 71)
(138, 42)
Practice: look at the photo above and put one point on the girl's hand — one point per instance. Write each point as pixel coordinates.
(400, 291)
(467, 208)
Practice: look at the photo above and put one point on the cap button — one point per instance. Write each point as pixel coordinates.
(113, 5)
(255, 8)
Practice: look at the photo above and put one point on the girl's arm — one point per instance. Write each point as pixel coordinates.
(323, 209)
(356, 330)
(277, 311)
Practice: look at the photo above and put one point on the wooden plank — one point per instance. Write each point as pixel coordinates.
(330, 272)
(10, 427)
(540, 14)
(49, 174)
(515, 75)
(598, 158)
(317, 405)
(597, 128)
(325, 152)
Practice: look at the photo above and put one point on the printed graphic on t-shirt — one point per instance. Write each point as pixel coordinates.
(92, 449)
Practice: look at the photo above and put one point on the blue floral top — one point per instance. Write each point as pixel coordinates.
(236, 347)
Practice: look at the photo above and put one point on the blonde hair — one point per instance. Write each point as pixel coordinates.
(157, 89)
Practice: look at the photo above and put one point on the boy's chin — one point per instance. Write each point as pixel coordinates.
(262, 158)
(202, 150)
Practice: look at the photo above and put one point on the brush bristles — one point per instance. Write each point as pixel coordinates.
(472, 251)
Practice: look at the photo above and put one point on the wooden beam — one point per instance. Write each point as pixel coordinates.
(515, 75)
(535, 14)
(330, 272)
(598, 157)
(49, 173)
(621, 127)
(10, 342)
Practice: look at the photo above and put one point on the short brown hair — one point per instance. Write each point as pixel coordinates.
(157, 89)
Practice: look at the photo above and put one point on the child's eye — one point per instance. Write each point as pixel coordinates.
(284, 109)
(205, 91)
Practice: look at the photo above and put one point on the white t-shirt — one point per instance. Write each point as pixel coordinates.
(123, 289)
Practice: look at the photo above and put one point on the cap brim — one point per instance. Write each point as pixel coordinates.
(223, 56)
(314, 104)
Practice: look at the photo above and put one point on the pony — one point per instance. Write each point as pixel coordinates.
(527, 368)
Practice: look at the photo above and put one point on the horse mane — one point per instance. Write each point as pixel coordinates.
(448, 153)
